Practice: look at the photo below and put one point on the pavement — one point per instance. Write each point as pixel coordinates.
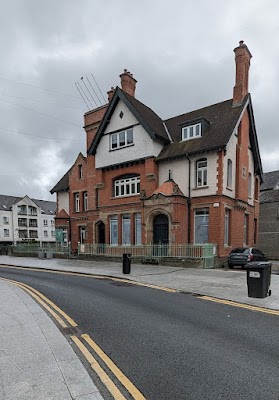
(36, 360)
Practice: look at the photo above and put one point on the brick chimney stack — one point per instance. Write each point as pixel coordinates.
(110, 93)
(128, 82)
(242, 62)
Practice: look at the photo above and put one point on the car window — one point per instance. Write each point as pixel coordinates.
(238, 250)
(255, 251)
(246, 251)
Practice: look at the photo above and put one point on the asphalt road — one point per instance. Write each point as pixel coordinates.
(170, 345)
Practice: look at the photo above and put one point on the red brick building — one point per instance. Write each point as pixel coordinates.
(193, 178)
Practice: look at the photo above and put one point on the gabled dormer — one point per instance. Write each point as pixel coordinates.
(193, 129)
(129, 131)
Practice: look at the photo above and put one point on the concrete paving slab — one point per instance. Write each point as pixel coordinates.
(31, 365)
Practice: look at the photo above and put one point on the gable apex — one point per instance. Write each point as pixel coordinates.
(150, 121)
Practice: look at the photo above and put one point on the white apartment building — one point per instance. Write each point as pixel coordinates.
(24, 219)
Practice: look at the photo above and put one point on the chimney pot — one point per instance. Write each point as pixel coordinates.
(111, 93)
(128, 82)
(241, 42)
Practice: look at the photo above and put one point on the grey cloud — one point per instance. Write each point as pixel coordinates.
(182, 58)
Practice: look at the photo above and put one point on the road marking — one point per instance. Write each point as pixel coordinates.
(114, 369)
(53, 313)
(112, 388)
(54, 306)
(92, 276)
(240, 305)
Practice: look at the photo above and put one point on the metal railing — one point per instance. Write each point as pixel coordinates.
(29, 248)
(205, 252)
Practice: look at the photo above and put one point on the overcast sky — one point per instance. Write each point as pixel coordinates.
(180, 52)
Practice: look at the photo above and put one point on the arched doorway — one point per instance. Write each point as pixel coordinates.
(101, 237)
(161, 234)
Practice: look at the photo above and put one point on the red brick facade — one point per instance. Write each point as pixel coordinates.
(230, 220)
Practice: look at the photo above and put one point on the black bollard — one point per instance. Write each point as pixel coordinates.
(126, 263)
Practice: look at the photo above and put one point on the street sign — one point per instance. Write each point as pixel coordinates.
(59, 235)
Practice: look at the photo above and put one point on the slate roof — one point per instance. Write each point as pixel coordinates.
(6, 202)
(150, 121)
(149, 116)
(270, 180)
(63, 184)
(222, 118)
(269, 196)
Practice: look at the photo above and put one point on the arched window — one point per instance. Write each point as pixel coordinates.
(229, 174)
(127, 185)
(201, 177)
(250, 185)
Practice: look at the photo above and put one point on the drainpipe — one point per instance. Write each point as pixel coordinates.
(189, 200)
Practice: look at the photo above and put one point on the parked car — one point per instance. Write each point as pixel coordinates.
(242, 255)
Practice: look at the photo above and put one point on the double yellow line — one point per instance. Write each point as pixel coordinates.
(240, 305)
(84, 275)
(46, 303)
(83, 343)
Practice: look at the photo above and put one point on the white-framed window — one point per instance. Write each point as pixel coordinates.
(81, 234)
(250, 185)
(229, 174)
(23, 234)
(52, 222)
(65, 235)
(32, 210)
(77, 202)
(191, 131)
(201, 225)
(245, 240)
(22, 221)
(127, 186)
(121, 139)
(33, 223)
(255, 230)
(5, 220)
(33, 234)
(45, 222)
(126, 229)
(201, 173)
(22, 209)
(114, 229)
(85, 201)
(52, 233)
(45, 234)
(138, 228)
(227, 227)
(6, 232)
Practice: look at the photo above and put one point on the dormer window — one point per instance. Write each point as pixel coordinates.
(121, 139)
(191, 131)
